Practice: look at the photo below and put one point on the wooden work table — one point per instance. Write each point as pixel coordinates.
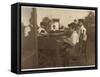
(49, 50)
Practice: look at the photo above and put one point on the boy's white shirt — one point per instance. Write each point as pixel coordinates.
(82, 28)
(56, 27)
(74, 38)
(40, 29)
(26, 31)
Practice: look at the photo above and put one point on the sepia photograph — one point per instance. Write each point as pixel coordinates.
(57, 38)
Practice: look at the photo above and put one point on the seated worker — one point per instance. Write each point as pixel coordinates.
(41, 30)
(70, 45)
(73, 38)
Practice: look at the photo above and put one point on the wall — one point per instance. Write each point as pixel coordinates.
(66, 16)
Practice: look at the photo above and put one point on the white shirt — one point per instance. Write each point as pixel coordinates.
(83, 31)
(42, 29)
(26, 31)
(74, 38)
(56, 27)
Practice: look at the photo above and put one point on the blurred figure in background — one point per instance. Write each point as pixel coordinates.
(82, 40)
(82, 30)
